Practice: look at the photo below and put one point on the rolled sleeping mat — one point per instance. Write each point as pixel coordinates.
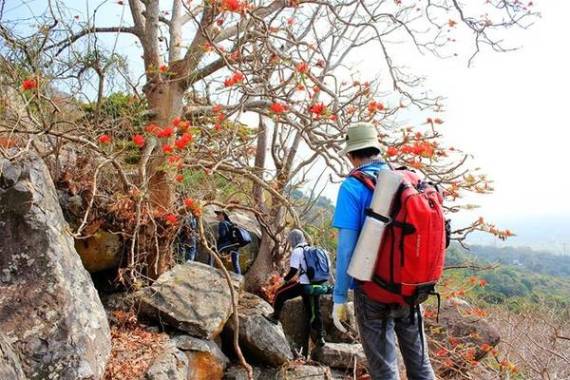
(364, 257)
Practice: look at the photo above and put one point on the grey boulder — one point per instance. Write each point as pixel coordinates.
(49, 308)
(340, 355)
(191, 297)
(205, 359)
(260, 339)
(10, 367)
(171, 364)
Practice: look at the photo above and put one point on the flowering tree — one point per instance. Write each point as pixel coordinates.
(255, 92)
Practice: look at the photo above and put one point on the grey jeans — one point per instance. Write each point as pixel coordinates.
(379, 325)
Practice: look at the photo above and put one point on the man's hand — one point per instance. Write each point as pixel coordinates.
(339, 315)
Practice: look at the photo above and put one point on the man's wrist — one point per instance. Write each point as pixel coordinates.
(340, 298)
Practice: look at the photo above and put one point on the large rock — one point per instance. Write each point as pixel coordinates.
(49, 308)
(340, 355)
(10, 367)
(305, 372)
(237, 372)
(206, 361)
(100, 251)
(171, 364)
(260, 339)
(293, 316)
(191, 297)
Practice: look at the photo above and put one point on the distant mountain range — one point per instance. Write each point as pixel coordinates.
(551, 233)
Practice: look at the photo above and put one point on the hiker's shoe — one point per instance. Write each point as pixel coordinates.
(320, 342)
(271, 319)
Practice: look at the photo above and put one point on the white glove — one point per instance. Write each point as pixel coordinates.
(338, 315)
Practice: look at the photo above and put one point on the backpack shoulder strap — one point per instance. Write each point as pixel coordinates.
(301, 271)
(367, 179)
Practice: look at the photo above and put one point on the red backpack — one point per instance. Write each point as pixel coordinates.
(412, 253)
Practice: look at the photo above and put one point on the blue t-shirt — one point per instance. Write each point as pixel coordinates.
(353, 200)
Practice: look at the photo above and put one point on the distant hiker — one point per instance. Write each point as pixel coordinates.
(309, 271)
(379, 322)
(230, 239)
(187, 239)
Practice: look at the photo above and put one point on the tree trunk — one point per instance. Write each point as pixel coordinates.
(165, 103)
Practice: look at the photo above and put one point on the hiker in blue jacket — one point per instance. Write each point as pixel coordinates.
(226, 242)
(378, 323)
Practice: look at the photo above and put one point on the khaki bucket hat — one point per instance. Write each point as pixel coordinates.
(360, 136)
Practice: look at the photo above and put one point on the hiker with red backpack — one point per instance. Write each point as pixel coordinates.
(397, 269)
(307, 277)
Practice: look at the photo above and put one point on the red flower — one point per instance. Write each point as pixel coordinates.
(173, 159)
(170, 218)
(486, 347)
(189, 202)
(234, 79)
(221, 117)
(317, 109)
(218, 127)
(233, 6)
(138, 140)
(184, 125)
(333, 118)
(235, 55)
(163, 69)
(183, 141)
(166, 132)
(104, 139)
(167, 149)
(406, 149)
(374, 106)
(441, 352)
(238, 77)
(300, 87)
(152, 128)
(176, 121)
(29, 84)
(179, 178)
(392, 151)
(278, 107)
(217, 108)
(302, 67)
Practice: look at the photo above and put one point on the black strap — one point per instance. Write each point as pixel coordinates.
(421, 331)
(391, 287)
(373, 214)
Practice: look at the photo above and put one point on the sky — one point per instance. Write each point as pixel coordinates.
(510, 111)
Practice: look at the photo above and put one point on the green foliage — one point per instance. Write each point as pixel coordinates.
(117, 107)
(511, 285)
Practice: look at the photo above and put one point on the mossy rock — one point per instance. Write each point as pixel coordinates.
(100, 251)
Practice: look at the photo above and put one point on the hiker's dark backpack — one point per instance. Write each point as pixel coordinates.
(240, 236)
(317, 263)
(412, 252)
